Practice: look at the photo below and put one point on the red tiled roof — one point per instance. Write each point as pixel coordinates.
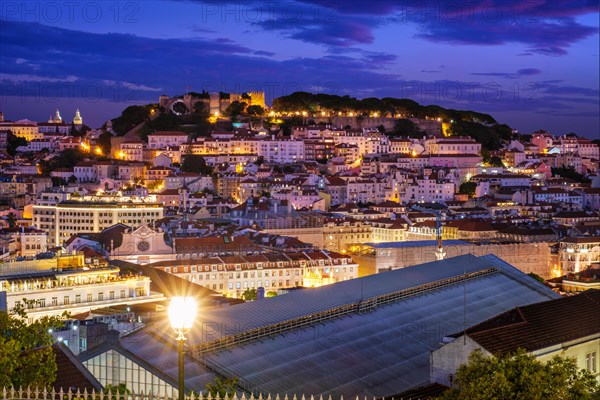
(213, 244)
(168, 133)
(540, 325)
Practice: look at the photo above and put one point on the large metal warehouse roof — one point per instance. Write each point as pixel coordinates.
(368, 336)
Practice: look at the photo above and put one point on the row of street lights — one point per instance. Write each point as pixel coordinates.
(182, 312)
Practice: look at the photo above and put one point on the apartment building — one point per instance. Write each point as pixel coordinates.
(162, 139)
(69, 217)
(75, 290)
(232, 275)
(452, 145)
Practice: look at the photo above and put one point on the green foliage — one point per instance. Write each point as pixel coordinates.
(467, 188)
(203, 95)
(12, 142)
(249, 294)
(288, 123)
(66, 159)
(521, 376)
(163, 122)
(536, 277)
(79, 132)
(496, 161)
(490, 137)
(104, 142)
(405, 127)
(26, 358)
(131, 117)
(222, 387)
(11, 220)
(271, 294)
(195, 163)
(569, 172)
(58, 181)
(387, 106)
(255, 110)
(120, 390)
(235, 108)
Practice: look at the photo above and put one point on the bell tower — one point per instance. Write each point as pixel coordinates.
(77, 120)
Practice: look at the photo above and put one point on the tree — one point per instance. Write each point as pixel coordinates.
(235, 108)
(66, 159)
(12, 142)
(195, 163)
(536, 277)
(496, 161)
(467, 188)
(255, 110)
(130, 117)
(58, 181)
(26, 358)
(11, 220)
(104, 142)
(119, 390)
(521, 376)
(222, 387)
(249, 294)
(570, 173)
(405, 127)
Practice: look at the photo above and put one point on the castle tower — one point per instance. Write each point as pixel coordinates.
(77, 120)
(257, 99)
(163, 100)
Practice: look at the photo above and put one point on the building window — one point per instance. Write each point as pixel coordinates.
(54, 301)
(77, 298)
(590, 362)
(89, 297)
(101, 296)
(66, 300)
(111, 295)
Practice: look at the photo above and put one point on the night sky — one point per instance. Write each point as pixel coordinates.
(531, 64)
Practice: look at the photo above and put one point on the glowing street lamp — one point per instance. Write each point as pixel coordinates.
(182, 312)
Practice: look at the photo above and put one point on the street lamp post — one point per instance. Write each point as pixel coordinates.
(182, 312)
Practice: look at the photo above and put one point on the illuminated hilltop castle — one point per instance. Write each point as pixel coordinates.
(217, 102)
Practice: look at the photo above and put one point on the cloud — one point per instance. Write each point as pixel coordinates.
(123, 68)
(529, 71)
(17, 78)
(264, 53)
(510, 75)
(132, 86)
(545, 27)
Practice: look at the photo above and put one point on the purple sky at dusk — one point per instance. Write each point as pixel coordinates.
(532, 64)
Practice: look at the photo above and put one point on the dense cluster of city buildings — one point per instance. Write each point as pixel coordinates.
(262, 214)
